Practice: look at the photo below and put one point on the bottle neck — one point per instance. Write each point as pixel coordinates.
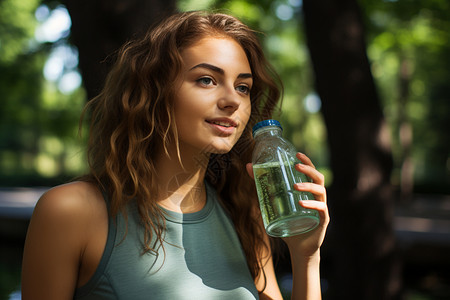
(267, 131)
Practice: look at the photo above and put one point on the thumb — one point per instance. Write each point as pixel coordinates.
(249, 168)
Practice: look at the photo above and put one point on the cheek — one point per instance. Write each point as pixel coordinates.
(246, 113)
(245, 117)
(185, 109)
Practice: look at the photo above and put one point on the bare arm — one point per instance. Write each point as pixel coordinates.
(54, 244)
(271, 290)
(304, 249)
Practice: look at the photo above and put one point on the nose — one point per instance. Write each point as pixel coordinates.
(229, 100)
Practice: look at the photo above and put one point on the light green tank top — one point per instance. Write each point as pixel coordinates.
(203, 260)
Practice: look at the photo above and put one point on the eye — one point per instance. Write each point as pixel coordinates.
(243, 89)
(205, 81)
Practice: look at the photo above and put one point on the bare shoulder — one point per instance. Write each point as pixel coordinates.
(70, 208)
(72, 200)
(64, 222)
(74, 208)
(76, 193)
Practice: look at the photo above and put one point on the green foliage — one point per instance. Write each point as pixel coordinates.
(38, 123)
(408, 47)
(17, 25)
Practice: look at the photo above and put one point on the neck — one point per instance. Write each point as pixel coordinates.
(181, 181)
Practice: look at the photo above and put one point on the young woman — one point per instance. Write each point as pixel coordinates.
(169, 208)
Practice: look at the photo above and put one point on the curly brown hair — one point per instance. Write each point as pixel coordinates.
(133, 115)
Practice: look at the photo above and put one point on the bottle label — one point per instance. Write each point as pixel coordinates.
(279, 202)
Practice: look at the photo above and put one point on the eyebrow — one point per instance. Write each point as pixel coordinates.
(219, 70)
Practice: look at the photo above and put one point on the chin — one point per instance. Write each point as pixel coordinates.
(221, 147)
(220, 150)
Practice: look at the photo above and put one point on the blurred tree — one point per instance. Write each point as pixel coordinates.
(100, 27)
(17, 69)
(361, 239)
(37, 122)
(409, 49)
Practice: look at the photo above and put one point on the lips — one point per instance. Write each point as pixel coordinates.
(224, 122)
(223, 126)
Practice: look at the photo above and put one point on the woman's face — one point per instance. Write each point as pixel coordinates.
(212, 105)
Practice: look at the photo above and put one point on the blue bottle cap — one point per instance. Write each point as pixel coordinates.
(266, 123)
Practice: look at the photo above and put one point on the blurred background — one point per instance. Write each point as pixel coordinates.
(367, 97)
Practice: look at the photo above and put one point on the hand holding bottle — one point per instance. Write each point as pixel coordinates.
(275, 169)
(308, 243)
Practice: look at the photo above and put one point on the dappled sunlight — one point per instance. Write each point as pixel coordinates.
(51, 145)
(55, 24)
(369, 178)
(56, 157)
(422, 225)
(384, 137)
(43, 99)
(312, 103)
(46, 165)
(61, 65)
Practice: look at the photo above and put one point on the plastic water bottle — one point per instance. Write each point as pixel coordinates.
(274, 160)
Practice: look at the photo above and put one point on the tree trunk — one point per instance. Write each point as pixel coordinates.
(100, 27)
(360, 246)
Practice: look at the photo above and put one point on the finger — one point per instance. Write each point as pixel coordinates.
(304, 159)
(311, 172)
(320, 207)
(249, 168)
(317, 190)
